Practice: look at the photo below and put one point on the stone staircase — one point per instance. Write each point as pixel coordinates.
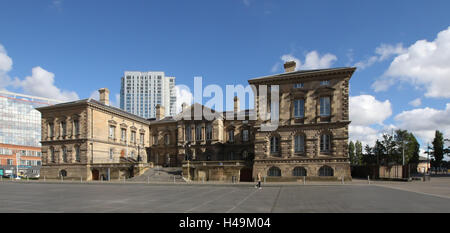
(160, 174)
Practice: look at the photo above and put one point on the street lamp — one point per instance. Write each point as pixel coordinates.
(187, 145)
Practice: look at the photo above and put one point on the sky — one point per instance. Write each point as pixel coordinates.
(68, 49)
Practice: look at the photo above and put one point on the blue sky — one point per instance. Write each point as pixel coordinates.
(85, 45)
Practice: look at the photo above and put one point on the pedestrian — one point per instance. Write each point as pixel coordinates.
(258, 185)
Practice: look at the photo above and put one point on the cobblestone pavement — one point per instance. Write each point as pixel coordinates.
(357, 196)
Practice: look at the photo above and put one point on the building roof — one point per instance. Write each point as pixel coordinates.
(316, 72)
(96, 103)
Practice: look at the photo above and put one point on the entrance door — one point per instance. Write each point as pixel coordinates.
(246, 175)
(95, 174)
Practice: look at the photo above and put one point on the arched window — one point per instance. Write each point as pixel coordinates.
(198, 132)
(325, 143)
(274, 145)
(299, 171)
(208, 132)
(274, 171)
(167, 139)
(63, 173)
(326, 171)
(299, 143)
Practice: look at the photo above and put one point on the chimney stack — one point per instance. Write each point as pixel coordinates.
(289, 66)
(183, 106)
(104, 96)
(160, 112)
(236, 104)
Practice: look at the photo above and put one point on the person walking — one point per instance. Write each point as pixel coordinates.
(258, 185)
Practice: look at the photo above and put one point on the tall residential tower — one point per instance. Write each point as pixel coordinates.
(140, 92)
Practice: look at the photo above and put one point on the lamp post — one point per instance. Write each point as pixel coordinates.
(187, 145)
(17, 165)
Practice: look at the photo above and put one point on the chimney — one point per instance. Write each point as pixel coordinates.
(236, 104)
(289, 66)
(159, 112)
(104, 96)
(183, 106)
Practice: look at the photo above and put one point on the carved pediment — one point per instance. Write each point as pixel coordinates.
(112, 122)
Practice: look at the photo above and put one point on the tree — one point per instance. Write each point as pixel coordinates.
(351, 152)
(389, 149)
(358, 152)
(438, 149)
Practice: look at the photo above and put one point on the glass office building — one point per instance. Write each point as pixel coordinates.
(20, 133)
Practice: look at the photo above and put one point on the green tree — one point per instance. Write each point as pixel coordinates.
(388, 149)
(358, 152)
(351, 152)
(438, 149)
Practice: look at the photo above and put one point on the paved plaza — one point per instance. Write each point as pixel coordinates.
(357, 196)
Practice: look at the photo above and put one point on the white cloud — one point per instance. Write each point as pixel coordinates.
(366, 110)
(424, 65)
(383, 52)
(313, 60)
(416, 103)
(184, 95)
(41, 83)
(5, 66)
(423, 122)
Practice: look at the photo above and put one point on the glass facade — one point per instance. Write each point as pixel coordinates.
(20, 122)
(20, 134)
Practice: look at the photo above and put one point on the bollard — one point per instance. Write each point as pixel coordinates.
(44, 178)
(304, 180)
(81, 179)
(264, 179)
(62, 179)
(27, 179)
(174, 179)
(342, 179)
(368, 179)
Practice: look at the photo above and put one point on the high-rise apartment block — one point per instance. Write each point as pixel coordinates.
(140, 92)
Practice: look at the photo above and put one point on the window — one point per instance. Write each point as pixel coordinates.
(133, 137)
(325, 143)
(245, 135)
(155, 139)
(188, 133)
(9, 161)
(167, 139)
(325, 83)
(142, 138)
(111, 153)
(298, 85)
(76, 126)
(231, 155)
(299, 108)
(52, 154)
(326, 171)
(198, 132)
(112, 130)
(299, 171)
(77, 154)
(124, 135)
(299, 144)
(231, 135)
(325, 106)
(274, 145)
(64, 154)
(274, 171)
(208, 132)
(51, 129)
(63, 128)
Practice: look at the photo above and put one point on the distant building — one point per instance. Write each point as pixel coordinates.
(20, 133)
(140, 92)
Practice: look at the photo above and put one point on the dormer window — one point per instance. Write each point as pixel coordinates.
(325, 83)
(298, 85)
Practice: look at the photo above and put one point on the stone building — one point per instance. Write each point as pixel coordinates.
(90, 140)
(217, 149)
(312, 134)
